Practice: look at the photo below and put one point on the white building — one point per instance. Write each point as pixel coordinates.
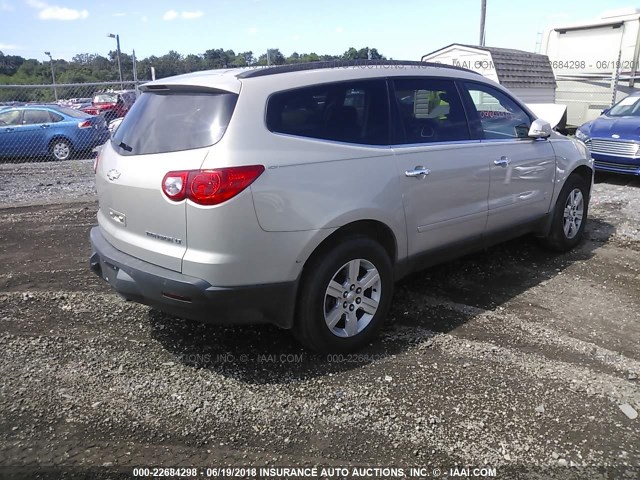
(594, 62)
(528, 75)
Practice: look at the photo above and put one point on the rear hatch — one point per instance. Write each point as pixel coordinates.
(169, 128)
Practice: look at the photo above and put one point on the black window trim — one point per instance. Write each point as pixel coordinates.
(476, 120)
(384, 80)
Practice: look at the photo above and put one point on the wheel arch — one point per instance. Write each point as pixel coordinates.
(60, 136)
(585, 172)
(374, 229)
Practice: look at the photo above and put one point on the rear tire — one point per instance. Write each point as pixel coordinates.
(60, 149)
(569, 216)
(344, 297)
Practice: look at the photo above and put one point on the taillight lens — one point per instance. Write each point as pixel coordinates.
(174, 185)
(85, 124)
(209, 187)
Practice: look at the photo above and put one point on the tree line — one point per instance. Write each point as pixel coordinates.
(86, 67)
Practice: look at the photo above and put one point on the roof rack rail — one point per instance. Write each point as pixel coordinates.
(296, 67)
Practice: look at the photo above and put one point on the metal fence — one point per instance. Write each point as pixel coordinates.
(59, 122)
(30, 132)
(17, 94)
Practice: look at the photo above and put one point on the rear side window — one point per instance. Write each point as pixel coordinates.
(170, 121)
(70, 112)
(55, 118)
(32, 117)
(352, 112)
(430, 111)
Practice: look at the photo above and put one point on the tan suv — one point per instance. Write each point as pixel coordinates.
(298, 195)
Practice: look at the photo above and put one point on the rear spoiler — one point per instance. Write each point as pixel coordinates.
(172, 88)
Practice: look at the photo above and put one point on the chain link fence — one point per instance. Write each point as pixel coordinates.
(60, 122)
(43, 122)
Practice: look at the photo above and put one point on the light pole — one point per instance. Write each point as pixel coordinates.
(483, 16)
(53, 75)
(117, 37)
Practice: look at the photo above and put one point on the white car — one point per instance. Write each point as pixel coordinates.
(114, 124)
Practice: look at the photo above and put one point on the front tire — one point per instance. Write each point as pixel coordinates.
(60, 149)
(569, 215)
(344, 297)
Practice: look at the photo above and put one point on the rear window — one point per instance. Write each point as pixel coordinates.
(70, 112)
(34, 117)
(170, 121)
(105, 98)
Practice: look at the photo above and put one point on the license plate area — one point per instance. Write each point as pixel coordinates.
(109, 272)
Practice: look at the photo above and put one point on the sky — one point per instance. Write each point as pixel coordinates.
(401, 29)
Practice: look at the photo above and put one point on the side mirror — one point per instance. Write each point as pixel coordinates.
(540, 129)
(605, 111)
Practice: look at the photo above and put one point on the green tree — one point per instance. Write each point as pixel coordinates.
(243, 59)
(218, 58)
(9, 64)
(275, 57)
(362, 54)
(92, 67)
(193, 63)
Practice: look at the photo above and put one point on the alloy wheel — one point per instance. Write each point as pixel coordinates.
(352, 298)
(573, 213)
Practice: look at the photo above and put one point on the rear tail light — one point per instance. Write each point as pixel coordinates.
(174, 185)
(85, 124)
(209, 187)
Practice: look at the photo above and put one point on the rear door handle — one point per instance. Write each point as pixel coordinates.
(44, 126)
(418, 172)
(503, 162)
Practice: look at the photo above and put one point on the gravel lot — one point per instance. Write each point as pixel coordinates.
(515, 358)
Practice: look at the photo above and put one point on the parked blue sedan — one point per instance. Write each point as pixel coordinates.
(41, 130)
(614, 137)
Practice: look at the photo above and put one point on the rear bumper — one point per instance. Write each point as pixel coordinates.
(91, 138)
(190, 297)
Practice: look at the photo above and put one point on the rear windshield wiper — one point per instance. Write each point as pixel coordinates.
(124, 146)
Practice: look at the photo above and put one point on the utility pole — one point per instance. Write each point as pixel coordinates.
(483, 14)
(135, 74)
(117, 37)
(53, 76)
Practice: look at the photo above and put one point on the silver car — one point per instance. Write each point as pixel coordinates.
(297, 195)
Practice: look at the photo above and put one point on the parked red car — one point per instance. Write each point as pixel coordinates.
(112, 104)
